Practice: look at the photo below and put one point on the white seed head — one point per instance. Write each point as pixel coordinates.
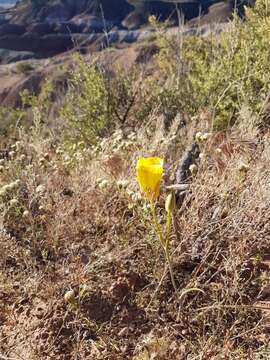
(104, 184)
(205, 136)
(198, 136)
(202, 156)
(193, 168)
(22, 157)
(25, 213)
(123, 184)
(13, 202)
(41, 189)
(70, 297)
(218, 151)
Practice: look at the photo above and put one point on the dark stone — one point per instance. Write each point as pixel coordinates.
(66, 27)
(56, 43)
(54, 13)
(40, 28)
(11, 29)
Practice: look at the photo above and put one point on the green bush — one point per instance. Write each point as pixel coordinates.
(10, 121)
(87, 106)
(221, 73)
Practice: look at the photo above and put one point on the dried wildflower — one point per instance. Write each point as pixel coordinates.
(243, 167)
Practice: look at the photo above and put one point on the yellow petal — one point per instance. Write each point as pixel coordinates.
(149, 174)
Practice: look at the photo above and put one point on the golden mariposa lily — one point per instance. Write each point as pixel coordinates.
(149, 174)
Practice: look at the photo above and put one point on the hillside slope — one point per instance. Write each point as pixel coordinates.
(85, 271)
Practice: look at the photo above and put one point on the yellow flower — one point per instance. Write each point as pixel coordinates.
(149, 173)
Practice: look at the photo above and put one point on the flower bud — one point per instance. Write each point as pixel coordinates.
(170, 203)
(193, 169)
(70, 297)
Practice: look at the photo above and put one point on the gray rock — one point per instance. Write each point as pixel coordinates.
(66, 27)
(10, 56)
(40, 28)
(11, 29)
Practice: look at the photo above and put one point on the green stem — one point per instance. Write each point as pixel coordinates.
(168, 228)
(168, 258)
(164, 242)
(157, 224)
(166, 248)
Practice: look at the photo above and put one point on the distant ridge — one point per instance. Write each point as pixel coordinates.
(7, 3)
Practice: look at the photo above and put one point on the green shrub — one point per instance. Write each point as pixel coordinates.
(10, 121)
(221, 73)
(87, 106)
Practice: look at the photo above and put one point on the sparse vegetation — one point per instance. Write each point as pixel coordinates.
(82, 275)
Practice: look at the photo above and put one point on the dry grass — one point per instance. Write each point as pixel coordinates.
(98, 240)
